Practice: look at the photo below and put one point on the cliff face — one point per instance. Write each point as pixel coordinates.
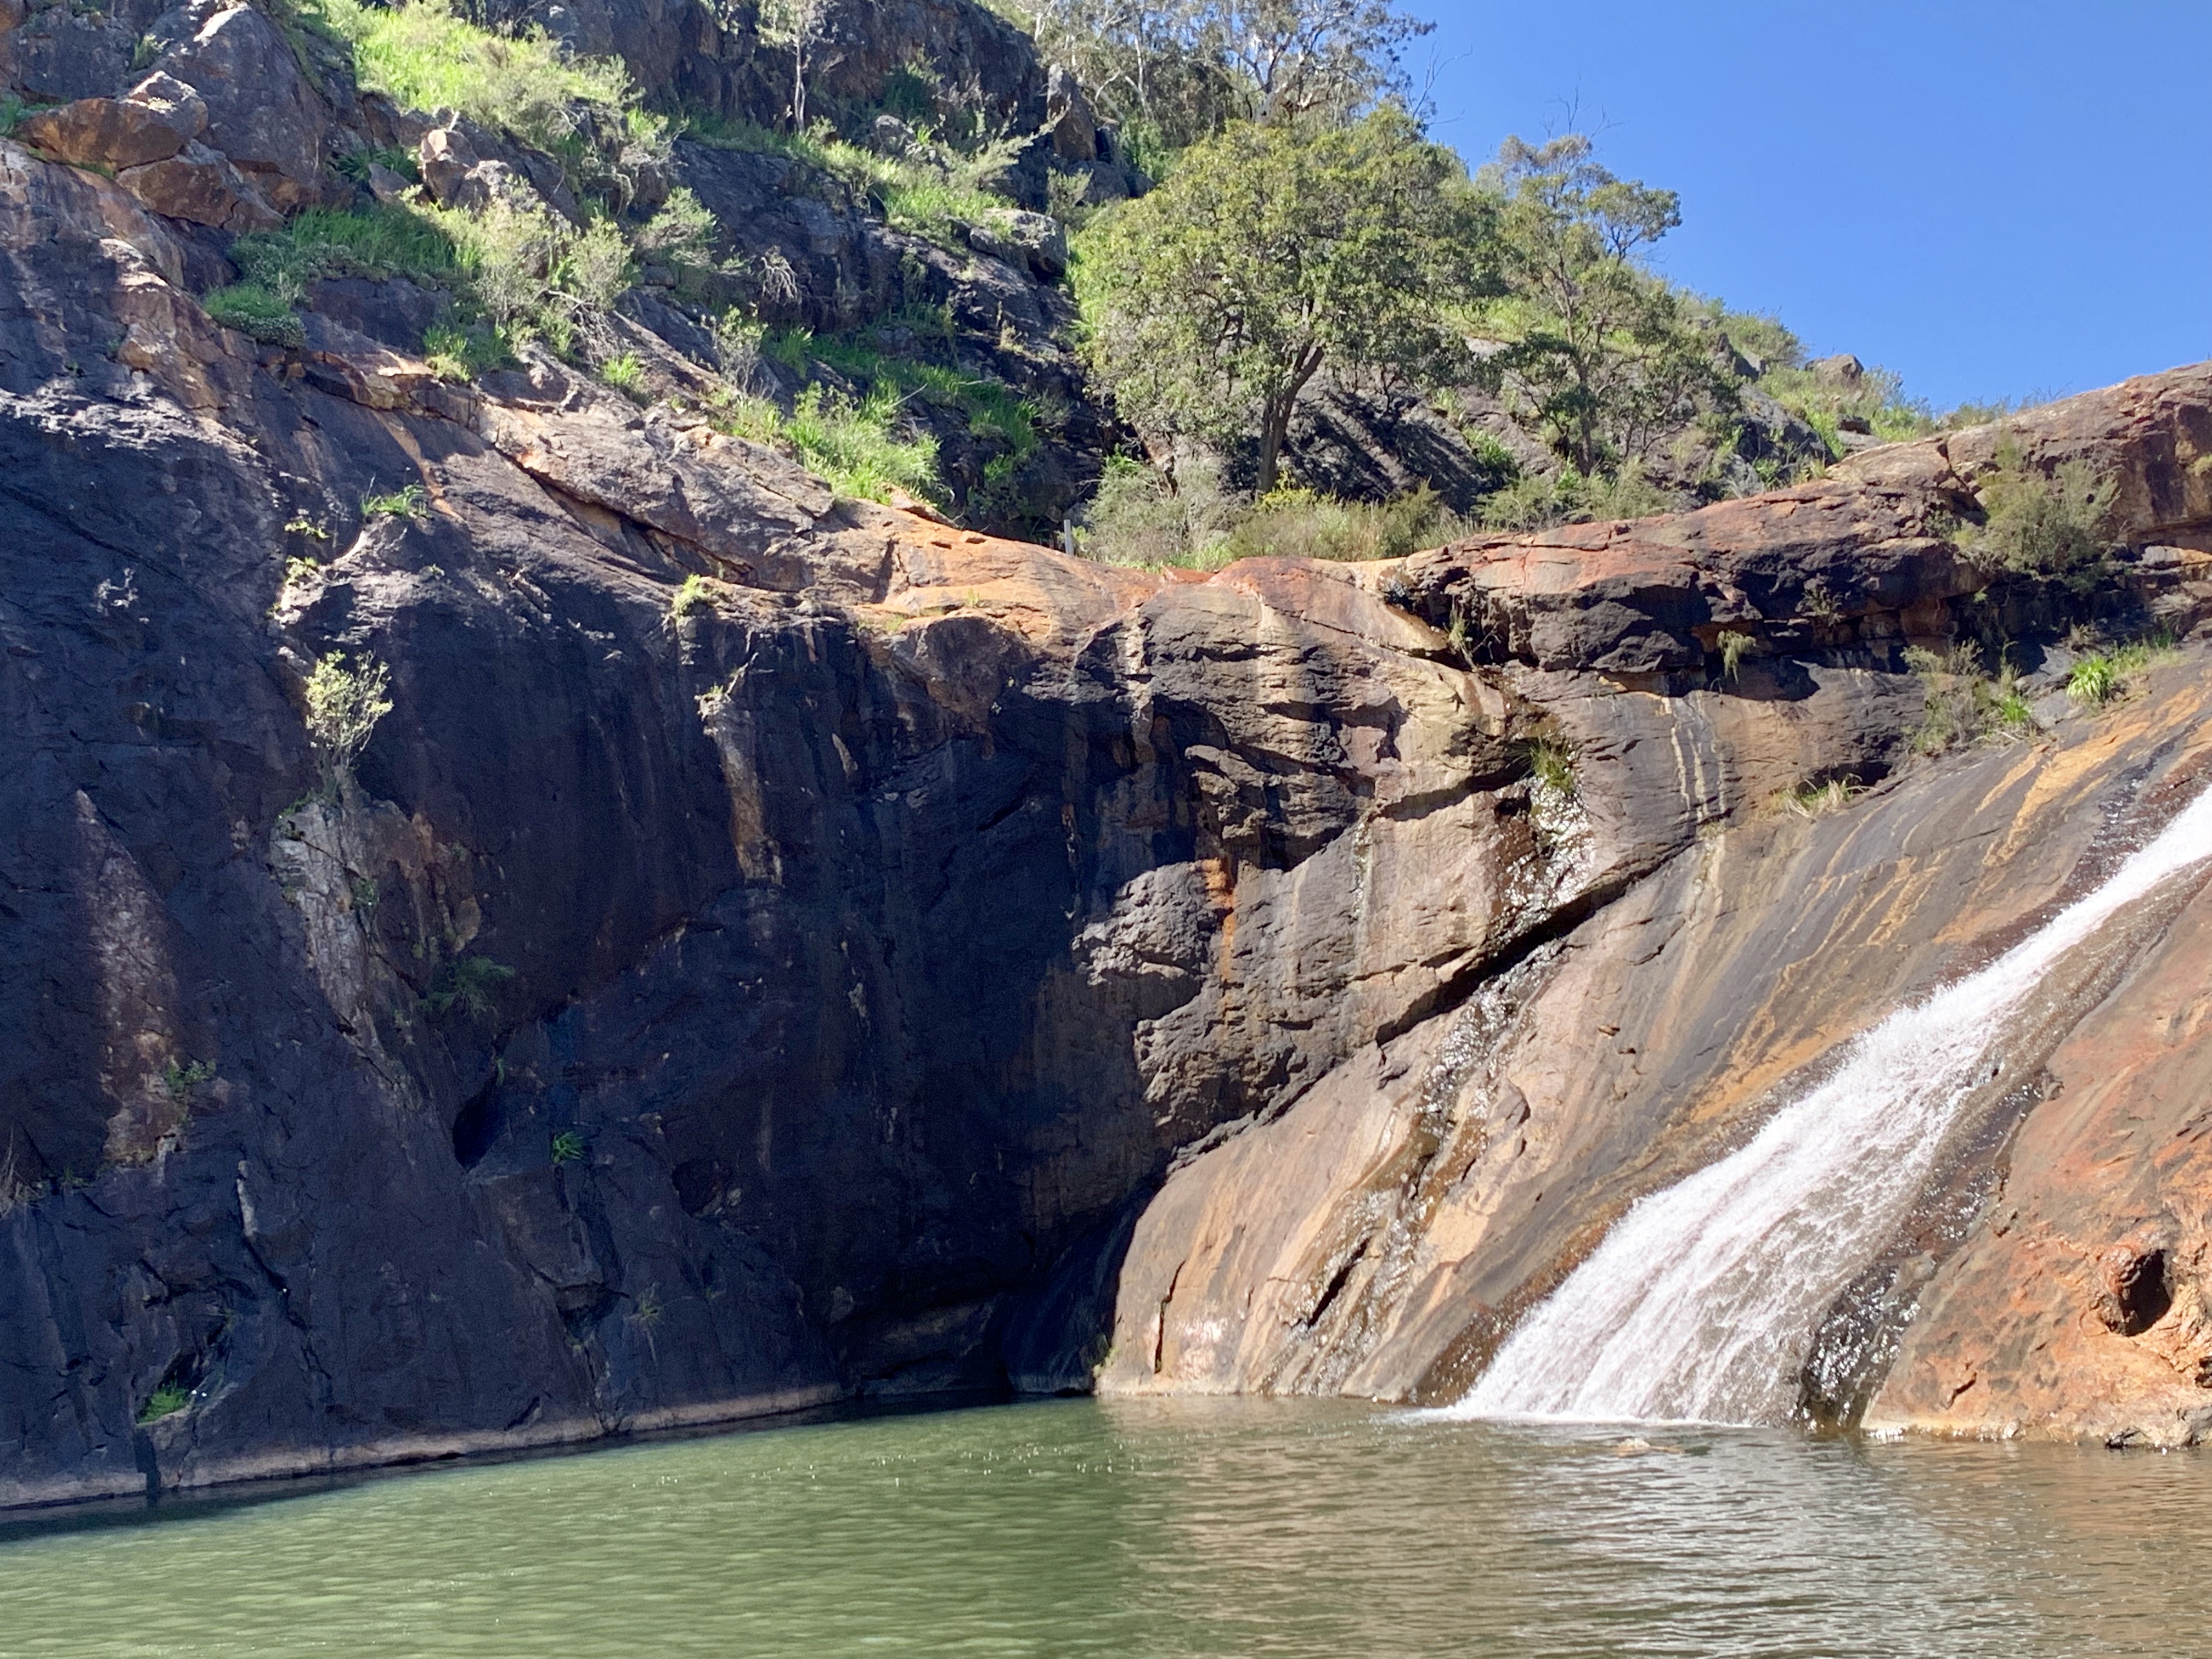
(815, 919)
(906, 959)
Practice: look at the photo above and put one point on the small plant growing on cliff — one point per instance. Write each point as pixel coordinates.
(2048, 525)
(343, 706)
(1733, 647)
(405, 503)
(165, 1401)
(459, 355)
(625, 373)
(1551, 765)
(2102, 676)
(1965, 704)
(471, 983)
(1816, 798)
(256, 312)
(568, 1147)
(180, 1076)
(693, 594)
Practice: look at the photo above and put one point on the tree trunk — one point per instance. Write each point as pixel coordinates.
(1274, 427)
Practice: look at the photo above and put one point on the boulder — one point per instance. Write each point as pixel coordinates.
(200, 185)
(1034, 241)
(890, 137)
(158, 119)
(57, 55)
(465, 166)
(261, 113)
(1841, 370)
(1068, 115)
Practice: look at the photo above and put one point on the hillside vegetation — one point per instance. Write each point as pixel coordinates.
(1228, 297)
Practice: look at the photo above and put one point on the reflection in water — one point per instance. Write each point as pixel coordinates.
(1163, 1530)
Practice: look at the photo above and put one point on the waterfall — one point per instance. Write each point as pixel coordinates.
(1699, 1303)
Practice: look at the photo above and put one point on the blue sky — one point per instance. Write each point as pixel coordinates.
(1994, 200)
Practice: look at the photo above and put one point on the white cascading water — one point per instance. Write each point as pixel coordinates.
(1697, 1304)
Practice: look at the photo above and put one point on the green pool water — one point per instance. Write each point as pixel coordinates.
(1072, 1528)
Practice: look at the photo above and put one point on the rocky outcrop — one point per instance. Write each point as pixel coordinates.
(1381, 1235)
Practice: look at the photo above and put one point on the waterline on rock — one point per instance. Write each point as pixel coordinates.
(1697, 1304)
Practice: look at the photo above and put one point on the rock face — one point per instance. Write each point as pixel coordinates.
(775, 948)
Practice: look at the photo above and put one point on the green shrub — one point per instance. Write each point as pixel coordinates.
(254, 310)
(1537, 501)
(568, 1147)
(624, 374)
(181, 1078)
(693, 594)
(2103, 677)
(1298, 523)
(471, 983)
(1137, 518)
(164, 1401)
(343, 706)
(2041, 525)
(1963, 703)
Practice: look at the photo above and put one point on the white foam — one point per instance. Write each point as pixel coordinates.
(1698, 1304)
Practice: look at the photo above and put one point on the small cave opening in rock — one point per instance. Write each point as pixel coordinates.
(2137, 1290)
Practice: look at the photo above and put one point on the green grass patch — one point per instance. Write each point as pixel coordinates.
(1817, 797)
(1551, 762)
(568, 1147)
(1964, 703)
(255, 310)
(2105, 676)
(180, 1076)
(469, 983)
(692, 595)
(317, 242)
(624, 374)
(354, 164)
(854, 446)
(424, 55)
(164, 1402)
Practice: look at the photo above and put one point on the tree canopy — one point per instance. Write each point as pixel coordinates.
(1176, 72)
(1602, 352)
(1274, 248)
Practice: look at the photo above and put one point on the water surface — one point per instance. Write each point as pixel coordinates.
(1310, 1530)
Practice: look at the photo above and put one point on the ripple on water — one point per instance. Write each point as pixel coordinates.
(1167, 1530)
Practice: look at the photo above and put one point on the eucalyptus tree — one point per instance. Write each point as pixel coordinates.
(1273, 249)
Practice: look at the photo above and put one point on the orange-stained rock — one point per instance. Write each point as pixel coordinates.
(2080, 1307)
(160, 115)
